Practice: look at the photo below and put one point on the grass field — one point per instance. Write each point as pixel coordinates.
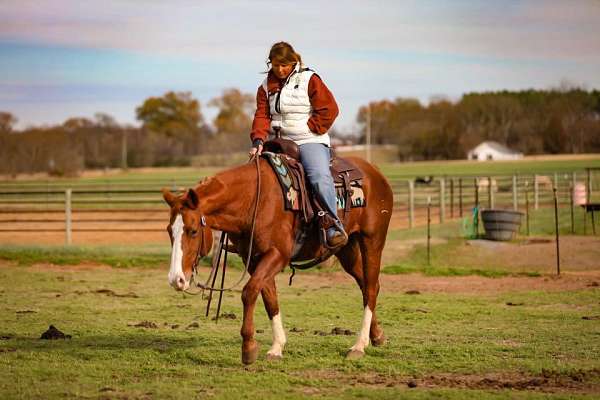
(391, 170)
(505, 344)
(483, 321)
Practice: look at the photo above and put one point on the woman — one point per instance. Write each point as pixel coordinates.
(294, 101)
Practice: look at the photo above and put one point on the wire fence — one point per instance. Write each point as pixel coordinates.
(137, 206)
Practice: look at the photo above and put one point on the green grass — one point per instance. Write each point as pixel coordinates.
(485, 168)
(443, 262)
(391, 170)
(432, 334)
(115, 256)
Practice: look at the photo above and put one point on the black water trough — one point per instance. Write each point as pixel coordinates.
(501, 224)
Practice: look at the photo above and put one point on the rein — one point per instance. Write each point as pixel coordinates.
(223, 247)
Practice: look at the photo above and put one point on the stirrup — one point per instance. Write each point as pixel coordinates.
(337, 246)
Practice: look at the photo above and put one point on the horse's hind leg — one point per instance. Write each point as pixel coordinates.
(371, 249)
(352, 260)
(269, 295)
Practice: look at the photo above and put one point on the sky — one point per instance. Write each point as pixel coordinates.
(68, 58)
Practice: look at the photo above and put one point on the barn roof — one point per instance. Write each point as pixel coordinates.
(496, 146)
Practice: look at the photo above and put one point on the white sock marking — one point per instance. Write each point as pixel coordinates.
(279, 339)
(363, 336)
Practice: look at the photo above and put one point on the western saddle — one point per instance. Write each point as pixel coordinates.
(347, 177)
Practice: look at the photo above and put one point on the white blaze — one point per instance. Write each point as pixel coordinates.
(278, 337)
(363, 336)
(176, 270)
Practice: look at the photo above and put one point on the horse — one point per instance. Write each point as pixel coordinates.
(226, 202)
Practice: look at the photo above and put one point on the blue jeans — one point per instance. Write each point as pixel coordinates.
(315, 159)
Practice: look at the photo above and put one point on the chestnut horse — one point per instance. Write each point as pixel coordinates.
(226, 202)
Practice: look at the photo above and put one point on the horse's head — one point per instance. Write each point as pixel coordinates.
(190, 237)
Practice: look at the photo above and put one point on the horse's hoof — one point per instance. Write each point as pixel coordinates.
(274, 357)
(379, 341)
(250, 355)
(354, 354)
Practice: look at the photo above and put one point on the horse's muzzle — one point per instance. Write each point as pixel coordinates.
(179, 282)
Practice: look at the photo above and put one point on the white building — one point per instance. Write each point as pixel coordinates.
(493, 151)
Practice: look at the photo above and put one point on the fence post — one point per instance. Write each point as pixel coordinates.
(589, 186)
(428, 230)
(536, 192)
(411, 203)
(572, 201)
(460, 205)
(572, 208)
(452, 198)
(442, 199)
(515, 194)
(476, 192)
(490, 193)
(68, 216)
(527, 204)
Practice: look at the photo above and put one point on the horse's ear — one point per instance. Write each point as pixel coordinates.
(191, 200)
(168, 196)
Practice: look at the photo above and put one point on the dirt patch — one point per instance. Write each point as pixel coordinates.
(337, 331)
(155, 221)
(393, 283)
(144, 324)
(109, 292)
(461, 284)
(581, 381)
(225, 316)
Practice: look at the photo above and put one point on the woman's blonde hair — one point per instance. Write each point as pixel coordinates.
(283, 53)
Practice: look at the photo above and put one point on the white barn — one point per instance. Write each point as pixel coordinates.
(490, 150)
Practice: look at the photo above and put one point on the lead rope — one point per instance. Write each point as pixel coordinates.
(246, 266)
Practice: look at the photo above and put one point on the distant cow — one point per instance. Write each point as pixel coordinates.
(419, 180)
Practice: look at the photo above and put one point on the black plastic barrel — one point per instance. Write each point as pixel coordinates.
(501, 224)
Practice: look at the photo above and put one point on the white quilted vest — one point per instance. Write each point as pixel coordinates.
(290, 109)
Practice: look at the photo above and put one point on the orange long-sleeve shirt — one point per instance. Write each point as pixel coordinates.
(325, 109)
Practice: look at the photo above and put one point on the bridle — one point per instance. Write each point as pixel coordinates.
(223, 249)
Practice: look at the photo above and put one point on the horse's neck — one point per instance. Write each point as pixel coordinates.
(226, 198)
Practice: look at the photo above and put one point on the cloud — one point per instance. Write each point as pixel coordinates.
(244, 30)
(363, 50)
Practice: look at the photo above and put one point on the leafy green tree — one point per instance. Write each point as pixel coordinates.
(175, 114)
(235, 112)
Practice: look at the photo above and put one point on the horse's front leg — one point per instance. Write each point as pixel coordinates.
(268, 266)
(269, 295)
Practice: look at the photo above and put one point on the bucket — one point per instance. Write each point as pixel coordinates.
(501, 224)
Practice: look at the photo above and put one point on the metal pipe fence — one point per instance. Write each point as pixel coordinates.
(140, 202)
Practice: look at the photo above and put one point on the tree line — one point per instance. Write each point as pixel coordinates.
(530, 121)
(173, 130)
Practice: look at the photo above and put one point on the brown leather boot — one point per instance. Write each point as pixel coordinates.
(336, 237)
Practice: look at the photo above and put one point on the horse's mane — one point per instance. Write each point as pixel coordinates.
(231, 175)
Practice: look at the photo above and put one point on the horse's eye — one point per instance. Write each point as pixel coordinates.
(194, 232)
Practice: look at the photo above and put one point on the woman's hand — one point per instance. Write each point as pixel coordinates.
(255, 151)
